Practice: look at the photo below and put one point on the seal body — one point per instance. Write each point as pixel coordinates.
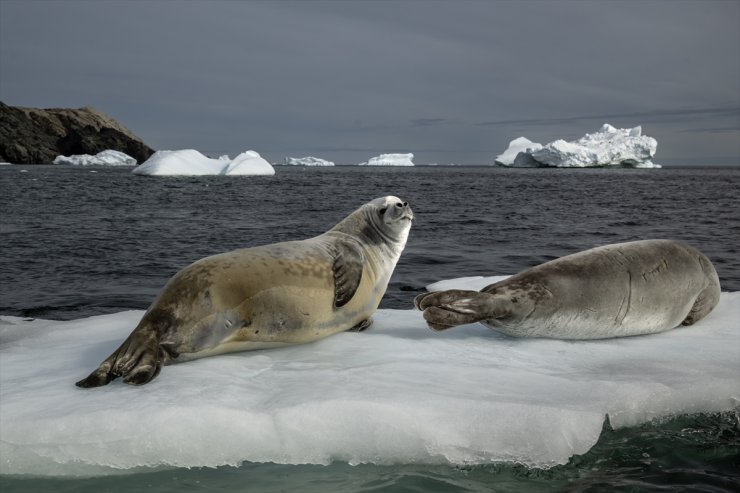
(267, 296)
(623, 289)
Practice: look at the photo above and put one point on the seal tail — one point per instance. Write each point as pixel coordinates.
(138, 360)
(446, 309)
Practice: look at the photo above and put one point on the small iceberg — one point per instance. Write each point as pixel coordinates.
(307, 161)
(103, 158)
(189, 162)
(607, 147)
(390, 160)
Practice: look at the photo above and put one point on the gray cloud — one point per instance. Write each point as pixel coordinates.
(448, 80)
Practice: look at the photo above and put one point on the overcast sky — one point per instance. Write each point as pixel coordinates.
(450, 81)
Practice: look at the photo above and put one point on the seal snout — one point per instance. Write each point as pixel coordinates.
(406, 212)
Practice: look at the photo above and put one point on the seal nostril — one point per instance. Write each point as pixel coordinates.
(399, 204)
(405, 204)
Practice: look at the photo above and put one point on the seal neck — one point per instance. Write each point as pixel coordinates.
(369, 228)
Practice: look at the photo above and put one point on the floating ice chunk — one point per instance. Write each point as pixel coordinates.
(248, 163)
(189, 162)
(103, 158)
(609, 146)
(307, 161)
(398, 393)
(516, 146)
(390, 160)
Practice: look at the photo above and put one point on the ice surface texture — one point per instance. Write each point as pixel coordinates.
(608, 146)
(189, 162)
(103, 158)
(397, 393)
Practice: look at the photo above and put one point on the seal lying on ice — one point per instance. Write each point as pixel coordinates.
(267, 296)
(624, 289)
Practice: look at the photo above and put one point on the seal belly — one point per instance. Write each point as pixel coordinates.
(279, 306)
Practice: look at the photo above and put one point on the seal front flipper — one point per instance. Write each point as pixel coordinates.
(446, 309)
(139, 359)
(101, 376)
(362, 325)
(347, 269)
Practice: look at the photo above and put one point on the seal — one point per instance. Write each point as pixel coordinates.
(267, 296)
(623, 289)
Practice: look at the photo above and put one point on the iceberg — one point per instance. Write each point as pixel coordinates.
(607, 147)
(516, 146)
(189, 162)
(398, 393)
(307, 161)
(390, 160)
(103, 158)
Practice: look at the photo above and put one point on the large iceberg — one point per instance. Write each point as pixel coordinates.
(390, 160)
(189, 162)
(607, 147)
(397, 393)
(103, 158)
(307, 161)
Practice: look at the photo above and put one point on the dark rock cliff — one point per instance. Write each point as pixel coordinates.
(37, 136)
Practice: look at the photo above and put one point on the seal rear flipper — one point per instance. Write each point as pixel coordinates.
(446, 309)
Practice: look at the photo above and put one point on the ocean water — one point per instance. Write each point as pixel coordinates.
(79, 241)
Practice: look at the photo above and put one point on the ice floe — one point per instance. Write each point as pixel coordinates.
(607, 147)
(390, 160)
(189, 162)
(103, 158)
(397, 393)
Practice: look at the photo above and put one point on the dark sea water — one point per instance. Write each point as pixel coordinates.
(79, 241)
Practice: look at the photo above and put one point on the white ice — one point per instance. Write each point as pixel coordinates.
(608, 146)
(390, 160)
(520, 144)
(103, 158)
(189, 162)
(397, 393)
(307, 161)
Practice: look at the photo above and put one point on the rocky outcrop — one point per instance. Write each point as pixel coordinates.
(37, 136)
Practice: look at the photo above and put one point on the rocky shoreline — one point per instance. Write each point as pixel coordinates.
(38, 136)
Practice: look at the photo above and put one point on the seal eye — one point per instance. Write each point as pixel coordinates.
(382, 211)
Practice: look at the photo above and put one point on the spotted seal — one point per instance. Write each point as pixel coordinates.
(267, 296)
(624, 289)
